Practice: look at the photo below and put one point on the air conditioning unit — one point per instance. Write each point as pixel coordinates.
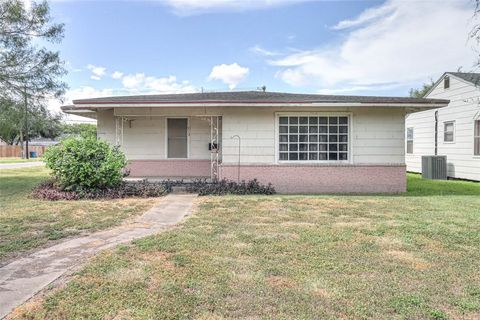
(434, 167)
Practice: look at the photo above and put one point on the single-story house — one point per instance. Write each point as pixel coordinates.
(301, 143)
(452, 131)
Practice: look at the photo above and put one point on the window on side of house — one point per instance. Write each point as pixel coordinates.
(446, 82)
(409, 140)
(313, 138)
(449, 131)
(476, 138)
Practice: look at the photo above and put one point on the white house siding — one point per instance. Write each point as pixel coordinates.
(464, 108)
(377, 134)
(144, 136)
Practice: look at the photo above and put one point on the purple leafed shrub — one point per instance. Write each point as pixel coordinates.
(224, 187)
(49, 190)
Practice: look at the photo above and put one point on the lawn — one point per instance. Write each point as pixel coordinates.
(414, 256)
(27, 223)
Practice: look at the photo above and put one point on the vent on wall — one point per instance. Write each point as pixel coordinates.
(434, 167)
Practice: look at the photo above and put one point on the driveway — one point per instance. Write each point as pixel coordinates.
(23, 278)
(21, 165)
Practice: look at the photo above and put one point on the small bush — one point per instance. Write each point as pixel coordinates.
(48, 190)
(85, 164)
(223, 187)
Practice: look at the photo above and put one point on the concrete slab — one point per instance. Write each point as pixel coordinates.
(23, 278)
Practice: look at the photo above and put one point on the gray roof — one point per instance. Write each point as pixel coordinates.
(255, 97)
(467, 76)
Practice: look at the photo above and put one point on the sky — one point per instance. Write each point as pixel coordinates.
(327, 47)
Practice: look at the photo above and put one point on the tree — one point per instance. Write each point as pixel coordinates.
(420, 93)
(42, 123)
(84, 130)
(23, 65)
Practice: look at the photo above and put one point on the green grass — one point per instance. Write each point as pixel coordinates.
(421, 187)
(18, 160)
(27, 223)
(292, 257)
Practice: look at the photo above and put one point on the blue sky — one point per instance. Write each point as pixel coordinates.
(340, 47)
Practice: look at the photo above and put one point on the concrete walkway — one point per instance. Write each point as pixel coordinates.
(21, 165)
(23, 278)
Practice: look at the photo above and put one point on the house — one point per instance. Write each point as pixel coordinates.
(453, 131)
(301, 143)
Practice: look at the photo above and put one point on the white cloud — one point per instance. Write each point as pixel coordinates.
(189, 7)
(231, 74)
(263, 52)
(97, 72)
(117, 75)
(139, 82)
(394, 44)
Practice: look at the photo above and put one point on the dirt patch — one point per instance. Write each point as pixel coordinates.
(410, 259)
(297, 224)
(280, 282)
(158, 258)
(353, 223)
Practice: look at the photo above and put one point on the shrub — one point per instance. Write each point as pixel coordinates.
(222, 187)
(48, 190)
(85, 163)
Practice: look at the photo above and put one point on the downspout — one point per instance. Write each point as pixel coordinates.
(436, 132)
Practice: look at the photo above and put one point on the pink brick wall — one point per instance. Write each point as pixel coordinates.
(169, 168)
(307, 179)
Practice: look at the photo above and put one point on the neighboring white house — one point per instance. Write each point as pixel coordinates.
(301, 143)
(453, 131)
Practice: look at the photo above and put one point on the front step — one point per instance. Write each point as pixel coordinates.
(179, 190)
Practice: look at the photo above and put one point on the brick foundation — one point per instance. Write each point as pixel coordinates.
(169, 168)
(311, 179)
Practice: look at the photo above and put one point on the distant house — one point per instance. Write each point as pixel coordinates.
(453, 130)
(301, 143)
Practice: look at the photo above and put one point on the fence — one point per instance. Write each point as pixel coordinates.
(16, 151)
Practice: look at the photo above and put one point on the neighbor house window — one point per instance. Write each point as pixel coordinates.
(449, 131)
(476, 139)
(446, 82)
(409, 140)
(313, 138)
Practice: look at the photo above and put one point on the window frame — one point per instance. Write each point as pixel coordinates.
(166, 138)
(453, 132)
(407, 140)
(314, 114)
(446, 83)
(476, 136)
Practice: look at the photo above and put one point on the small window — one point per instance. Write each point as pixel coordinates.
(449, 131)
(476, 139)
(446, 82)
(410, 140)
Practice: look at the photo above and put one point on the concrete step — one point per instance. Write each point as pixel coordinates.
(179, 190)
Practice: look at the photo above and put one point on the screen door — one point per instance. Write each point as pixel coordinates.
(177, 137)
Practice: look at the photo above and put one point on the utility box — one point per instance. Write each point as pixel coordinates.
(434, 167)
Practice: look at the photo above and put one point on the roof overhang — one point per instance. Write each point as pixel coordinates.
(92, 107)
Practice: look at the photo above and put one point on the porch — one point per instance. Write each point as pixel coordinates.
(170, 146)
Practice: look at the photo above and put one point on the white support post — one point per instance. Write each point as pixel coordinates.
(119, 131)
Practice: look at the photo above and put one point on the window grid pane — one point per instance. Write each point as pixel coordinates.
(313, 138)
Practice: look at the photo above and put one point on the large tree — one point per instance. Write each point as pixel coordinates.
(41, 122)
(24, 64)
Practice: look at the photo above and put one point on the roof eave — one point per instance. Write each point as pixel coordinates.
(426, 105)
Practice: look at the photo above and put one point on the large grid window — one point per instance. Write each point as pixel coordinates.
(313, 138)
(476, 139)
(409, 140)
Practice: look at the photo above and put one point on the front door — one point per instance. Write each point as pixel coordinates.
(177, 138)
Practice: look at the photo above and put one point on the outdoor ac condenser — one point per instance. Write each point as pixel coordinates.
(434, 167)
